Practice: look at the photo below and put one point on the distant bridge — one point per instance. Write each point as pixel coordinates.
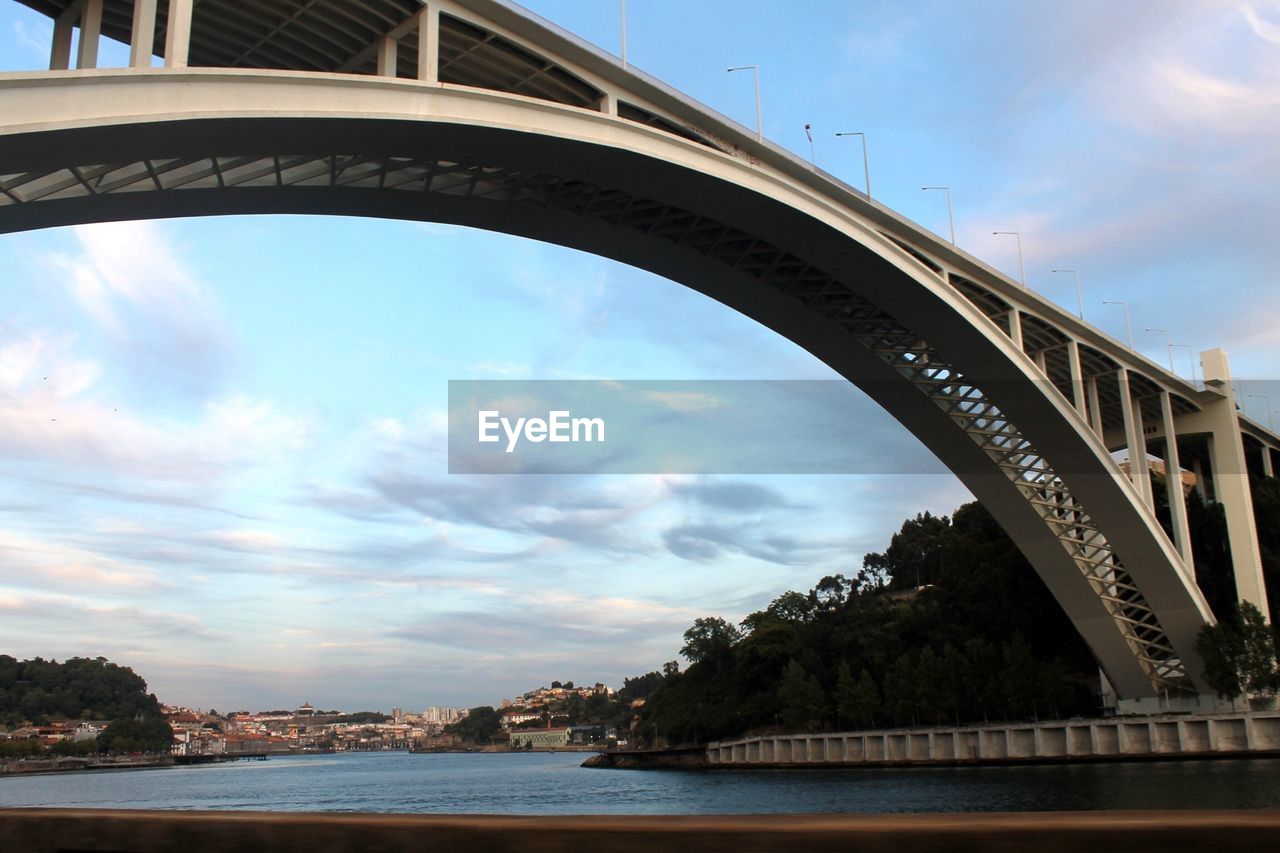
(473, 112)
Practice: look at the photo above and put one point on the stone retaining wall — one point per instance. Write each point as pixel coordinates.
(1115, 738)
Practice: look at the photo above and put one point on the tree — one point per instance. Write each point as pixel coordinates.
(1240, 654)
(901, 695)
(709, 638)
(804, 703)
(791, 607)
(830, 594)
(857, 700)
(478, 726)
(670, 668)
(145, 733)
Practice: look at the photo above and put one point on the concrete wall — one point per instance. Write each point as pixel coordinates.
(1121, 737)
(48, 830)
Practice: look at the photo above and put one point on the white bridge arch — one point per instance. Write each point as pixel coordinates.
(472, 112)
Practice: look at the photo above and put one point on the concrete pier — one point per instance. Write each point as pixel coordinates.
(1117, 738)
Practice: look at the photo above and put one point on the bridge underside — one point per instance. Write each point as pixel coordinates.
(661, 203)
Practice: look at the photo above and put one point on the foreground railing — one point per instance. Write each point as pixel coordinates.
(38, 830)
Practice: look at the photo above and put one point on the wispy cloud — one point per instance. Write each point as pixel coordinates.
(143, 299)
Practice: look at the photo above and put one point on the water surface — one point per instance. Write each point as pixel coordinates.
(556, 784)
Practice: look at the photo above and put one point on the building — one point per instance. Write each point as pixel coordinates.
(540, 738)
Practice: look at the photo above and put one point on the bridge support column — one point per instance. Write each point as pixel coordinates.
(1077, 377)
(1135, 438)
(144, 33)
(1231, 480)
(177, 36)
(60, 52)
(1095, 404)
(429, 44)
(1173, 485)
(387, 50)
(1015, 328)
(1267, 465)
(90, 30)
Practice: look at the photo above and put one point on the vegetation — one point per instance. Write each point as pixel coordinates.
(361, 717)
(478, 726)
(1240, 654)
(949, 624)
(41, 690)
(146, 733)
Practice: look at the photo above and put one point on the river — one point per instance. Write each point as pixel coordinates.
(556, 784)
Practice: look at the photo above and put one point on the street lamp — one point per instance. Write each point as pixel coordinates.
(624, 33)
(951, 219)
(1022, 270)
(1168, 342)
(1271, 425)
(1128, 325)
(1191, 357)
(866, 168)
(1079, 292)
(755, 70)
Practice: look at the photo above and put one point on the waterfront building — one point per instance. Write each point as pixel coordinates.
(539, 738)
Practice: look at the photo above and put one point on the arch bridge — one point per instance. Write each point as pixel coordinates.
(476, 113)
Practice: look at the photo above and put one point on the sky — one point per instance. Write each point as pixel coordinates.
(223, 455)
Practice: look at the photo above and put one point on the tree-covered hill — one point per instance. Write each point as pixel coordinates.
(949, 624)
(40, 690)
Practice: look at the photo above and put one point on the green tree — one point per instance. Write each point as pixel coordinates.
(710, 638)
(804, 702)
(478, 726)
(1239, 654)
(857, 700)
(145, 733)
(901, 696)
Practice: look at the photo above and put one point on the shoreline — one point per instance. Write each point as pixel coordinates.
(684, 759)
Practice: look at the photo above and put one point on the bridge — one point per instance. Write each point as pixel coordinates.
(474, 112)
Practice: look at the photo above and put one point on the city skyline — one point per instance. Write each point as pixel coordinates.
(223, 438)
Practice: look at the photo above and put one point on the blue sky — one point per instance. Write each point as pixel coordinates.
(222, 443)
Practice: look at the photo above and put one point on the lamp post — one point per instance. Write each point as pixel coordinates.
(1271, 424)
(1022, 270)
(1168, 342)
(1127, 325)
(1079, 292)
(624, 33)
(951, 219)
(1191, 357)
(755, 70)
(866, 168)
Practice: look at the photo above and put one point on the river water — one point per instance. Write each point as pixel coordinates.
(556, 784)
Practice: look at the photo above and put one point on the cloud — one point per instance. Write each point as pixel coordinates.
(736, 495)
(36, 39)
(56, 409)
(37, 564)
(161, 323)
(685, 402)
(707, 542)
(85, 622)
(540, 621)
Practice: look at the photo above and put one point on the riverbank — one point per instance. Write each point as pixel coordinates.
(60, 764)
